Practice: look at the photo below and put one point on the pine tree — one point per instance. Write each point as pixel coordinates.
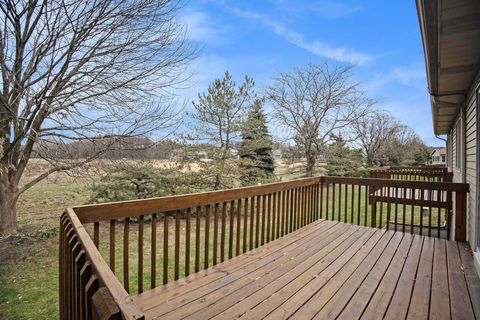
(256, 146)
(343, 161)
(216, 129)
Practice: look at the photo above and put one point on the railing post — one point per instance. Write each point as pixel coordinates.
(61, 268)
(448, 177)
(373, 216)
(460, 216)
(104, 307)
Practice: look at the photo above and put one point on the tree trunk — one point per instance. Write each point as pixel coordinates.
(310, 165)
(370, 161)
(8, 202)
(216, 184)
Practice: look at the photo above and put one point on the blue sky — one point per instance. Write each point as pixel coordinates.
(261, 38)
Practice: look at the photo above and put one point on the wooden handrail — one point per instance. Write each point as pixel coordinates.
(429, 167)
(75, 303)
(426, 173)
(131, 208)
(211, 227)
(427, 185)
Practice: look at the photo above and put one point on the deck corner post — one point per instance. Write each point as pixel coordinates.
(104, 306)
(460, 216)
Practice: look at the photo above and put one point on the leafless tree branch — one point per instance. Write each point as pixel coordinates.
(316, 103)
(82, 70)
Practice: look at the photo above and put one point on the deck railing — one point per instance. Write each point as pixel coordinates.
(153, 241)
(424, 173)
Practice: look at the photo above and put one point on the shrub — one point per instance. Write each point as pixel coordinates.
(140, 181)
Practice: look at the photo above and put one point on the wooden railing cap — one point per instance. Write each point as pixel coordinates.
(123, 209)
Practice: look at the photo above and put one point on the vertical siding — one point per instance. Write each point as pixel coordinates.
(449, 150)
(454, 146)
(471, 174)
(462, 153)
(457, 149)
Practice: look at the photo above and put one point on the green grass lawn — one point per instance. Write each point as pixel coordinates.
(29, 260)
(133, 252)
(360, 213)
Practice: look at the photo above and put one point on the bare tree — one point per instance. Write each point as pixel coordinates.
(76, 70)
(404, 148)
(374, 132)
(316, 103)
(384, 140)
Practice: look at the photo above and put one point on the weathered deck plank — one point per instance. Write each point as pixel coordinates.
(329, 270)
(380, 274)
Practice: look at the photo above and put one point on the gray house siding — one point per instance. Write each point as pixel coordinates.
(471, 165)
(462, 151)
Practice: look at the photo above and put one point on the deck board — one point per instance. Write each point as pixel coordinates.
(329, 270)
(380, 300)
(419, 302)
(440, 295)
(293, 279)
(379, 257)
(379, 274)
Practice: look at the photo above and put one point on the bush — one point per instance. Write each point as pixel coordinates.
(343, 161)
(140, 181)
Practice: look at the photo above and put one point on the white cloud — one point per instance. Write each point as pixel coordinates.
(201, 27)
(324, 8)
(406, 76)
(316, 47)
(402, 92)
(334, 9)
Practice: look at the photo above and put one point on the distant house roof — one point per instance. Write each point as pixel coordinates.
(440, 151)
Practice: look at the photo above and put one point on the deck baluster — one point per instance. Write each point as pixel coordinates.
(207, 236)
(239, 226)
(153, 254)
(176, 274)
(245, 224)
(165, 247)
(187, 242)
(112, 245)
(198, 221)
(126, 243)
(215, 234)
(140, 254)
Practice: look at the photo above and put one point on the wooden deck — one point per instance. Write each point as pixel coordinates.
(329, 270)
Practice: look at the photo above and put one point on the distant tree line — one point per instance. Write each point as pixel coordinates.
(141, 148)
(385, 141)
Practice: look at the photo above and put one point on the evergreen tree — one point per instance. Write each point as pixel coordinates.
(421, 156)
(256, 146)
(343, 161)
(218, 116)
